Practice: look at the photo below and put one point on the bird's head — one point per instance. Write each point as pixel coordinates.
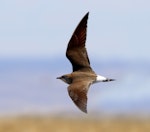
(67, 79)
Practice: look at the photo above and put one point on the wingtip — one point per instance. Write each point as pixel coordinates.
(85, 111)
(87, 14)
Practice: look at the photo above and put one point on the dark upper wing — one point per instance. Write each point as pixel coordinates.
(76, 51)
(78, 93)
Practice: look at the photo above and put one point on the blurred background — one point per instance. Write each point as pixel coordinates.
(33, 38)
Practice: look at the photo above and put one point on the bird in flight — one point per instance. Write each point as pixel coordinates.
(82, 76)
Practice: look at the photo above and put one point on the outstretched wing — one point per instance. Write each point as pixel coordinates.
(76, 51)
(78, 93)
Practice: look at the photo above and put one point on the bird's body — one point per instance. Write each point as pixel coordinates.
(82, 76)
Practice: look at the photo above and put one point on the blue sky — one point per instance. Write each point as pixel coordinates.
(42, 28)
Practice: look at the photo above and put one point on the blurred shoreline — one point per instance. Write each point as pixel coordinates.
(30, 86)
(59, 124)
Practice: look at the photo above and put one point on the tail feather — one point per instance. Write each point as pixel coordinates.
(108, 80)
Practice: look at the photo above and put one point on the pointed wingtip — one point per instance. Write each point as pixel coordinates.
(87, 14)
(85, 111)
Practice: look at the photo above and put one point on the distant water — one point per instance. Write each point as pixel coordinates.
(30, 86)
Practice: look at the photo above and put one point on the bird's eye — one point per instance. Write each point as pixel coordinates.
(63, 77)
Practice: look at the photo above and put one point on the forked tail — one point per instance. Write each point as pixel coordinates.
(103, 79)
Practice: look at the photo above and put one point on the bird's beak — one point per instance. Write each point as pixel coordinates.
(58, 78)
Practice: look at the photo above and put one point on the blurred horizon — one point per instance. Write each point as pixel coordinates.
(30, 87)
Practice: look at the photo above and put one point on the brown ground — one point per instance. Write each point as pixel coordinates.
(49, 124)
